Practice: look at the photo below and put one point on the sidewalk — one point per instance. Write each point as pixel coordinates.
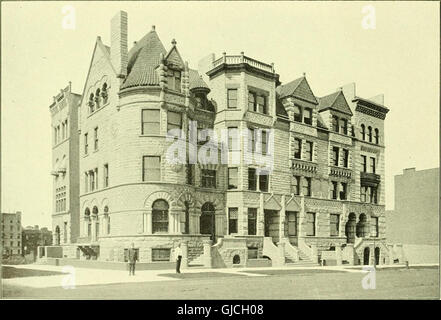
(85, 276)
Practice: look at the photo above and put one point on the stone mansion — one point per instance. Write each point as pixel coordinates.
(323, 202)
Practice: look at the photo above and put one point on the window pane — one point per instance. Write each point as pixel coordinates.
(251, 101)
(232, 178)
(252, 179)
(252, 221)
(152, 170)
(232, 98)
(263, 182)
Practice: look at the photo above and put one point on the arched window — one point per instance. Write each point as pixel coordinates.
(106, 213)
(104, 93)
(160, 216)
(97, 98)
(89, 223)
(370, 133)
(207, 220)
(91, 103)
(363, 132)
(377, 136)
(362, 226)
(95, 210)
(350, 228)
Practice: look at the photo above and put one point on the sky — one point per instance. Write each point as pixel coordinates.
(326, 40)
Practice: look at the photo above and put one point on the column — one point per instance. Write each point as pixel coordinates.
(260, 218)
(184, 248)
(207, 253)
(282, 217)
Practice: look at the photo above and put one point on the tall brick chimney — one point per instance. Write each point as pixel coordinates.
(118, 43)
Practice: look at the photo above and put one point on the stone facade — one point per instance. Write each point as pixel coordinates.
(312, 201)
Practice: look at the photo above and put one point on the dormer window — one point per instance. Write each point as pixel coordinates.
(307, 116)
(343, 126)
(335, 126)
(174, 80)
(104, 93)
(297, 114)
(97, 98)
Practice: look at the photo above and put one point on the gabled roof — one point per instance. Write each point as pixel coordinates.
(173, 57)
(144, 57)
(298, 88)
(335, 101)
(196, 80)
(280, 109)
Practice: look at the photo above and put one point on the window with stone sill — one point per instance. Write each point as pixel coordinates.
(310, 224)
(252, 221)
(335, 156)
(297, 114)
(160, 216)
(373, 169)
(174, 121)
(345, 157)
(257, 102)
(335, 224)
(174, 80)
(374, 227)
(377, 136)
(363, 132)
(232, 178)
(308, 150)
(159, 254)
(307, 186)
(232, 98)
(370, 134)
(297, 148)
(232, 220)
(263, 182)
(333, 192)
(296, 185)
(292, 223)
(364, 163)
(344, 126)
(343, 192)
(208, 178)
(150, 122)
(335, 124)
(151, 168)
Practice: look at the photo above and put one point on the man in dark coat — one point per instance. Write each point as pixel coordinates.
(178, 256)
(132, 257)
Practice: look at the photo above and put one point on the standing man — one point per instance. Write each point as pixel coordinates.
(178, 255)
(132, 259)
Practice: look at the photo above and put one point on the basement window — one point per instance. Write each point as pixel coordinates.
(160, 255)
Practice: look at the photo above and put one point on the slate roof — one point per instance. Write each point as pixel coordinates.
(196, 80)
(144, 57)
(297, 88)
(280, 109)
(335, 101)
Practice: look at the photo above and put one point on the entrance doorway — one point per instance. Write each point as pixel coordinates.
(377, 256)
(207, 220)
(271, 219)
(350, 228)
(366, 256)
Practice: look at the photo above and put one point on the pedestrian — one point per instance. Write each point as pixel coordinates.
(178, 256)
(132, 257)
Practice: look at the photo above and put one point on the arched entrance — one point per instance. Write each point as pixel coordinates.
(207, 220)
(377, 255)
(366, 255)
(57, 235)
(350, 228)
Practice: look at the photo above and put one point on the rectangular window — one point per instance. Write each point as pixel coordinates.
(296, 185)
(174, 121)
(86, 182)
(335, 223)
(86, 144)
(233, 139)
(251, 139)
(190, 173)
(363, 193)
(96, 138)
(373, 195)
(232, 98)
(307, 116)
(374, 227)
(307, 187)
(335, 156)
(151, 168)
(253, 252)
(160, 254)
(345, 156)
(261, 104)
(334, 190)
(252, 221)
(373, 165)
(106, 175)
(263, 182)
(264, 142)
(208, 178)
(310, 224)
(252, 179)
(308, 151)
(232, 178)
(92, 180)
(343, 192)
(343, 126)
(297, 114)
(232, 220)
(292, 223)
(251, 101)
(174, 80)
(150, 121)
(297, 148)
(335, 126)
(364, 164)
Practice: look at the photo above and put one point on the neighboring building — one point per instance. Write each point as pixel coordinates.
(415, 218)
(33, 237)
(11, 234)
(65, 164)
(324, 197)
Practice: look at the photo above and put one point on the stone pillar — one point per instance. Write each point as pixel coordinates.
(260, 217)
(351, 252)
(148, 222)
(184, 248)
(94, 218)
(281, 254)
(338, 255)
(207, 253)
(282, 217)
